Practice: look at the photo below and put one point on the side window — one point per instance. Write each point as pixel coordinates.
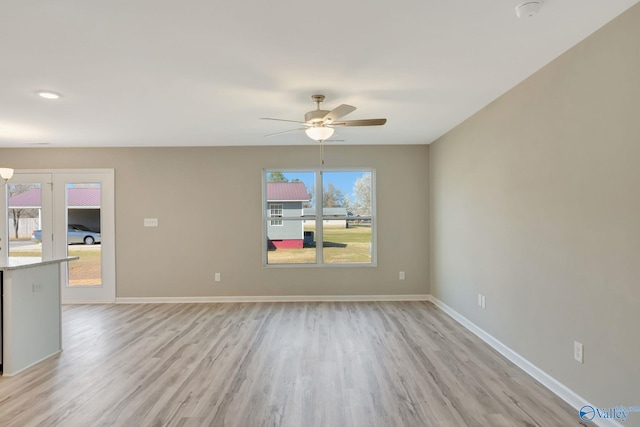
(275, 211)
(335, 228)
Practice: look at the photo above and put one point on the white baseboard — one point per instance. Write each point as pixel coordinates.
(73, 302)
(562, 391)
(279, 298)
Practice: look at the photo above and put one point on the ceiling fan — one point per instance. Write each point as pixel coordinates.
(319, 124)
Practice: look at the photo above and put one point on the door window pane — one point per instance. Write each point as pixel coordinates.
(83, 234)
(24, 217)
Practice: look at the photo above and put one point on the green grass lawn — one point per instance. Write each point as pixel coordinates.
(87, 270)
(341, 245)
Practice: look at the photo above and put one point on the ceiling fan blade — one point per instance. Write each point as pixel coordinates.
(340, 111)
(365, 122)
(282, 120)
(284, 131)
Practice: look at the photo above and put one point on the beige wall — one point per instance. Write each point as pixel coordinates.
(222, 185)
(536, 204)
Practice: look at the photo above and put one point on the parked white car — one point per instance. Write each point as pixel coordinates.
(76, 233)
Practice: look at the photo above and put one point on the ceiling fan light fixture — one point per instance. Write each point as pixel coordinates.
(319, 123)
(319, 133)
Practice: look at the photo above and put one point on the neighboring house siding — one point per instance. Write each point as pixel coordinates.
(329, 212)
(335, 223)
(25, 227)
(289, 230)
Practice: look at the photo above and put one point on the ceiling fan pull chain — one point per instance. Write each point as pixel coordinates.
(321, 153)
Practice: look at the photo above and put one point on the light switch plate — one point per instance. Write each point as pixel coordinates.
(578, 352)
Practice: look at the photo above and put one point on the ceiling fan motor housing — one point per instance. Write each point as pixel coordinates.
(315, 115)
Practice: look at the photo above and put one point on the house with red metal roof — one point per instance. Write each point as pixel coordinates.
(285, 200)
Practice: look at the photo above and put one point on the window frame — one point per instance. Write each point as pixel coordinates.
(319, 218)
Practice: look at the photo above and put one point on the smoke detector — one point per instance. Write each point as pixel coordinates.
(528, 9)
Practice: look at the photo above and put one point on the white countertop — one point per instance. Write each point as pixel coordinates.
(15, 263)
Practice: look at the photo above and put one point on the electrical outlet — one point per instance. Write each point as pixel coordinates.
(401, 275)
(37, 287)
(217, 277)
(578, 352)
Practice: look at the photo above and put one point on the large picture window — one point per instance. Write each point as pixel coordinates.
(325, 217)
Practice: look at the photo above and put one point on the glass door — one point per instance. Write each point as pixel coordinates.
(51, 214)
(84, 228)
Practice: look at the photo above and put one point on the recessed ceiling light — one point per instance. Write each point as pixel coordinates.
(47, 94)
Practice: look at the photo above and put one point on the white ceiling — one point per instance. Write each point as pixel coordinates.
(202, 72)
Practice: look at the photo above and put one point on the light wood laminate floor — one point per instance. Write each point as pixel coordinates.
(274, 364)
